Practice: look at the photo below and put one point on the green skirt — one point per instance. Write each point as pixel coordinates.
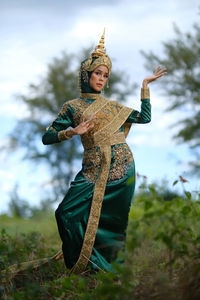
(73, 212)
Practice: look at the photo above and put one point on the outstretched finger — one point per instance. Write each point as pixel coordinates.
(91, 119)
(82, 118)
(157, 70)
(90, 126)
(160, 75)
(162, 70)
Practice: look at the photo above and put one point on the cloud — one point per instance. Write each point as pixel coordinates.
(32, 32)
(64, 7)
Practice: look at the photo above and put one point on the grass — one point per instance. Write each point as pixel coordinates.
(45, 224)
(162, 257)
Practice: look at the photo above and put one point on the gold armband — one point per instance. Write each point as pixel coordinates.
(64, 135)
(50, 127)
(145, 93)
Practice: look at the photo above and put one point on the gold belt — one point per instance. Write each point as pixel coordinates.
(97, 200)
(117, 138)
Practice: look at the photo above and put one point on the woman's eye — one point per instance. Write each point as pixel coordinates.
(97, 73)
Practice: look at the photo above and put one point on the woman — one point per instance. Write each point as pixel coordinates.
(93, 216)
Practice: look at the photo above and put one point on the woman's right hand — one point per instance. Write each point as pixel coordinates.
(84, 126)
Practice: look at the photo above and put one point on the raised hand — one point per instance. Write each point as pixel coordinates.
(157, 74)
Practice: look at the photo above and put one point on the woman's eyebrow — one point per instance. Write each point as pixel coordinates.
(101, 71)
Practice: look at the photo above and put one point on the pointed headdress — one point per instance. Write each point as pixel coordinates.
(97, 58)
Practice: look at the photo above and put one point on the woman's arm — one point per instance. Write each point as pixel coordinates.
(144, 116)
(55, 132)
(58, 131)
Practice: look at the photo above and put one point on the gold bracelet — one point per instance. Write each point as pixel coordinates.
(50, 127)
(64, 135)
(145, 93)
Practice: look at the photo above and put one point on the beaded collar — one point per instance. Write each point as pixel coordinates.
(90, 96)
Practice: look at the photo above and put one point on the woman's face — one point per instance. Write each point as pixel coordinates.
(99, 78)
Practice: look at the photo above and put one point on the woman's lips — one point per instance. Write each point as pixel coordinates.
(99, 84)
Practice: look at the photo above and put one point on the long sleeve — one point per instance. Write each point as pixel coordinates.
(62, 122)
(144, 116)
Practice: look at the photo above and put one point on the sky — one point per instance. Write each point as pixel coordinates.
(33, 32)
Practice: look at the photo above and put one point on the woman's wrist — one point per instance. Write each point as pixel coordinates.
(144, 84)
(145, 93)
(65, 134)
(70, 132)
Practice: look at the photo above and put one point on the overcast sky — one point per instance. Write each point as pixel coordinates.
(32, 32)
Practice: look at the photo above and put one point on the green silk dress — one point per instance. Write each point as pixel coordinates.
(115, 189)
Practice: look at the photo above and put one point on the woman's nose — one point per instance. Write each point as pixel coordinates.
(101, 77)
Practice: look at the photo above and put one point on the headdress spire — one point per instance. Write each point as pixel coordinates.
(100, 49)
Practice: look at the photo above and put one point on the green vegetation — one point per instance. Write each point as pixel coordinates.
(162, 255)
(44, 224)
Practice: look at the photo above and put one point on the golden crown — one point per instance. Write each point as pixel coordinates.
(100, 49)
(101, 57)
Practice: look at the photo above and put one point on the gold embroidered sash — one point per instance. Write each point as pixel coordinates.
(103, 138)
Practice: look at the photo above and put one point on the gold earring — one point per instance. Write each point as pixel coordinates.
(107, 84)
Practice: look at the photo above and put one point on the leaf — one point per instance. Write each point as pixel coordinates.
(175, 182)
(188, 195)
(147, 205)
(185, 210)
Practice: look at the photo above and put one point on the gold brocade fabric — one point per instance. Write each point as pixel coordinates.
(110, 116)
(121, 160)
(145, 93)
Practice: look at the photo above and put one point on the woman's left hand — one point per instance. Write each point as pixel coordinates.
(157, 74)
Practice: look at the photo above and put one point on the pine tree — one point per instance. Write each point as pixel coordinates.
(182, 84)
